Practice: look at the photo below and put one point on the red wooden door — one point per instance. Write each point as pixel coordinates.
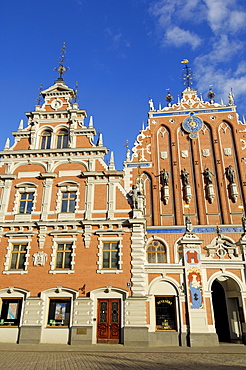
(108, 321)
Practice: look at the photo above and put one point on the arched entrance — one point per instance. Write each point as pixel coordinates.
(226, 304)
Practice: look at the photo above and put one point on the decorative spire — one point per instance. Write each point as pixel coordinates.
(169, 98)
(187, 74)
(111, 162)
(62, 60)
(90, 122)
(231, 98)
(7, 144)
(211, 94)
(21, 125)
(100, 140)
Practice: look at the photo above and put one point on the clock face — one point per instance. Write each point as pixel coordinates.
(192, 124)
(56, 104)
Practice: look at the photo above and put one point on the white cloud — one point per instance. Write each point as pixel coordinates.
(179, 37)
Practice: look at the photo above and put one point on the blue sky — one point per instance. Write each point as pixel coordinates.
(121, 52)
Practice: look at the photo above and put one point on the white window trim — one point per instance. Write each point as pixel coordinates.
(63, 188)
(57, 241)
(21, 189)
(106, 239)
(9, 248)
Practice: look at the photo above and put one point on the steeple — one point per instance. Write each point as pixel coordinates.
(61, 69)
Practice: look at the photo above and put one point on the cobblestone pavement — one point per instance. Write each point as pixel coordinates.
(103, 358)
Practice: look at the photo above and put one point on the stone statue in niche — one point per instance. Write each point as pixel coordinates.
(232, 187)
(135, 197)
(230, 174)
(208, 176)
(164, 175)
(185, 177)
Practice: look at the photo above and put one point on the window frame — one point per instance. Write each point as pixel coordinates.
(110, 252)
(63, 253)
(174, 313)
(105, 239)
(48, 138)
(64, 240)
(155, 252)
(62, 139)
(26, 202)
(52, 321)
(4, 312)
(18, 253)
(16, 241)
(68, 202)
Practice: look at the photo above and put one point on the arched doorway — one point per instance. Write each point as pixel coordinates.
(220, 312)
(226, 305)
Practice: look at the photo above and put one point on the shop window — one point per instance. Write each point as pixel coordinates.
(26, 202)
(46, 139)
(18, 257)
(68, 202)
(10, 311)
(59, 312)
(156, 252)
(64, 256)
(110, 256)
(165, 313)
(62, 139)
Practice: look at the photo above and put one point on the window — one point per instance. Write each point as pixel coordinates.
(156, 252)
(46, 140)
(18, 257)
(10, 312)
(64, 256)
(165, 313)
(62, 139)
(26, 202)
(68, 202)
(59, 312)
(110, 255)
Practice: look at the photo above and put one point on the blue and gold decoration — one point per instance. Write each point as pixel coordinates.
(192, 125)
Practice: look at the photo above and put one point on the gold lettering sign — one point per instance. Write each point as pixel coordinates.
(81, 331)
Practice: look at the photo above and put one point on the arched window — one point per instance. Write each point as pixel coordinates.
(156, 252)
(62, 139)
(46, 139)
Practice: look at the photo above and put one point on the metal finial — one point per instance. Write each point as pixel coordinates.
(76, 90)
(39, 98)
(211, 94)
(187, 75)
(62, 60)
(169, 97)
(126, 144)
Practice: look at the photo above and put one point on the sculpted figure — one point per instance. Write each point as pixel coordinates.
(134, 194)
(230, 174)
(151, 104)
(185, 177)
(188, 224)
(164, 177)
(208, 176)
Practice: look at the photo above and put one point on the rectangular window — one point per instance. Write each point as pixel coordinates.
(165, 313)
(110, 255)
(59, 312)
(68, 202)
(26, 203)
(64, 256)
(18, 257)
(10, 311)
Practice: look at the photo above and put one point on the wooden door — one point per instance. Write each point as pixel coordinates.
(108, 321)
